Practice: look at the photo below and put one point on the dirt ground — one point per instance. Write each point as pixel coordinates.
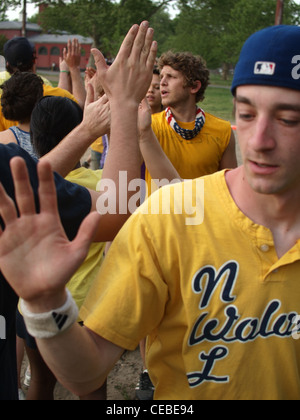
(121, 382)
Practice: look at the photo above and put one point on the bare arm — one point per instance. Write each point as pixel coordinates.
(38, 240)
(229, 159)
(64, 76)
(156, 161)
(73, 82)
(7, 137)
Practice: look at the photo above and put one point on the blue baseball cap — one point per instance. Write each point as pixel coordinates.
(270, 57)
(19, 51)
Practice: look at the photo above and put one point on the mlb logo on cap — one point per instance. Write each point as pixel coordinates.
(266, 68)
(270, 57)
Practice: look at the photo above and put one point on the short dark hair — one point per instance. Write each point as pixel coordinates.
(193, 68)
(52, 119)
(156, 71)
(20, 93)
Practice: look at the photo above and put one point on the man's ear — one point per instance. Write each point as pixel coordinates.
(196, 87)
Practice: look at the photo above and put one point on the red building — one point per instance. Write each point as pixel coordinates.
(48, 47)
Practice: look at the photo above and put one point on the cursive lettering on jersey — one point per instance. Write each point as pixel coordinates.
(230, 326)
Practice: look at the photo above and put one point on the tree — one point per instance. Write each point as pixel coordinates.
(105, 21)
(249, 17)
(217, 29)
(3, 40)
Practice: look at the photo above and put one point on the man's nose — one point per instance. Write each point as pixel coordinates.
(263, 135)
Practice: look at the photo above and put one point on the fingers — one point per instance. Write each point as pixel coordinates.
(8, 209)
(23, 190)
(90, 95)
(87, 232)
(152, 55)
(143, 43)
(23, 193)
(47, 189)
(99, 60)
(138, 42)
(126, 47)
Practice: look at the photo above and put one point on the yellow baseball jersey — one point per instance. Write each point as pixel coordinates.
(218, 306)
(5, 75)
(192, 158)
(82, 280)
(48, 91)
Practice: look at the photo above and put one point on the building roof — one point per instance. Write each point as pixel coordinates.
(18, 26)
(40, 38)
(58, 39)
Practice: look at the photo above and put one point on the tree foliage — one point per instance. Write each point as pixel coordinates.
(215, 29)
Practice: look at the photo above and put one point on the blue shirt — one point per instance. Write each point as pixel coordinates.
(74, 203)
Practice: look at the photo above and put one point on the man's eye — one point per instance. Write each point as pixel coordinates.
(289, 123)
(245, 117)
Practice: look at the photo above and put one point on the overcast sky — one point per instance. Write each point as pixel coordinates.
(32, 10)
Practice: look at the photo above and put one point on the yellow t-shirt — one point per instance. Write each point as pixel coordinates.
(48, 91)
(216, 303)
(5, 75)
(82, 280)
(192, 158)
(97, 146)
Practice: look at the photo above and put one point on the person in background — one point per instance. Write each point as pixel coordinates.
(20, 56)
(218, 296)
(196, 142)
(125, 80)
(153, 95)
(52, 119)
(20, 94)
(70, 75)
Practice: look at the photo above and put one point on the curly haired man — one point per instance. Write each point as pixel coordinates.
(196, 142)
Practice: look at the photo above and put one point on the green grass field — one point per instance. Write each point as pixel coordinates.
(218, 98)
(219, 102)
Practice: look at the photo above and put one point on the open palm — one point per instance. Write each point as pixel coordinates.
(36, 257)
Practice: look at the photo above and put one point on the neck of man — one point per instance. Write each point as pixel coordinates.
(185, 112)
(24, 126)
(277, 212)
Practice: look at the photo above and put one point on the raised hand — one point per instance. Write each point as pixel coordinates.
(144, 117)
(36, 257)
(72, 54)
(96, 114)
(130, 74)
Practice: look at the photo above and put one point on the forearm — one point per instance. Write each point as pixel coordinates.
(78, 88)
(123, 160)
(156, 161)
(64, 157)
(65, 81)
(73, 358)
(77, 360)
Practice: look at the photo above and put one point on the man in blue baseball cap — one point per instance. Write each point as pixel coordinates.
(218, 300)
